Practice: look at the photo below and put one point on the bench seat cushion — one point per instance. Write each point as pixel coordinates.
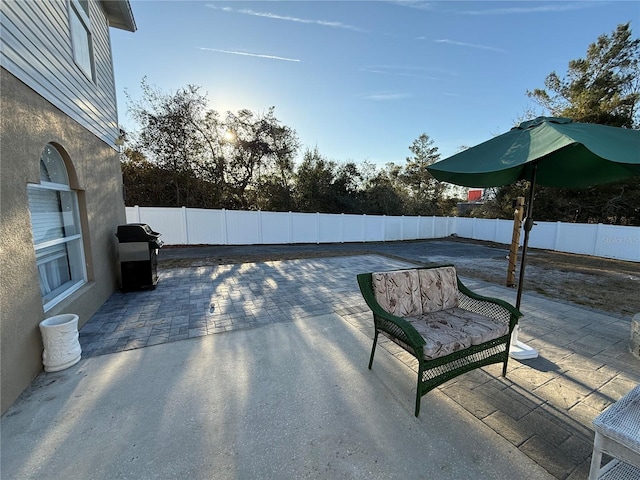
(448, 331)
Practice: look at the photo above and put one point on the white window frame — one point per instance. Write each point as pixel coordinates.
(73, 250)
(79, 27)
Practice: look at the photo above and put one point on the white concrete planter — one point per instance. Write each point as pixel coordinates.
(60, 339)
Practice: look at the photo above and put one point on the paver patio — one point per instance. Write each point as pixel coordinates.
(544, 407)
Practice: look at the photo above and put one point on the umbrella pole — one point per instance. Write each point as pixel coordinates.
(519, 350)
(528, 225)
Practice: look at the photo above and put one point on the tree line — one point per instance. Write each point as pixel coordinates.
(186, 154)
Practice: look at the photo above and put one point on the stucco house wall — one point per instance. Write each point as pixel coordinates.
(33, 117)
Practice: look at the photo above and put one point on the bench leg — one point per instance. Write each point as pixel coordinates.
(373, 349)
(596, 457)
(504, 368)
(419, 390)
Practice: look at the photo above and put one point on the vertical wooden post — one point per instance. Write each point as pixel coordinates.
(515, 242)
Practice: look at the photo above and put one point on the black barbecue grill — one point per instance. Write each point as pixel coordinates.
(138, 251)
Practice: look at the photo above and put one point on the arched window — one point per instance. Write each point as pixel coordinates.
(57, 235)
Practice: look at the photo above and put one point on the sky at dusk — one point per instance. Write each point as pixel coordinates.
(362, 80)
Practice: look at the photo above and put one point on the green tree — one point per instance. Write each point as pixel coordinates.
(149, 184)
(323, 185)
(384, 192)
(614, 203)
(245, 159)
(259, 146)
(314, 179)
(424, 191)
(346, 188)
(169, 135)
(603, 87)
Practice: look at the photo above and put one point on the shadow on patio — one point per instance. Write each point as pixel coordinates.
(294, 399)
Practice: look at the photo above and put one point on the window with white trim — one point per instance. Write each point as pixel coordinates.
(57, 234)
(81, 40)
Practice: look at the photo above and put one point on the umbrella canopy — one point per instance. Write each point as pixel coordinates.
(564, 153)
(554, 152)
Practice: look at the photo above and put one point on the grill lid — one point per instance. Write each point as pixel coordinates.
(137, 232)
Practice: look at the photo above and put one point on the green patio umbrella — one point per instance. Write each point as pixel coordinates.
(562, 154)
(549, 151)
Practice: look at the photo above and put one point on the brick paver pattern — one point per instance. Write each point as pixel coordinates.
(544, 407)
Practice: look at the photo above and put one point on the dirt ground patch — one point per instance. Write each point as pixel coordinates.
(605, 284)
(601, 283)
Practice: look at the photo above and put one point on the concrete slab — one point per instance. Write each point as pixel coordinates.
(286, 400)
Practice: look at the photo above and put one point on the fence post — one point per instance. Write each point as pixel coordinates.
(342, 228)
(318, 228)
(515, 242)
(136, 209)
(597, 242)
(185, 226)
(224, 227)
(384, 228)
(260, 242)
(556, 237)
(290, 236)
(364, 227)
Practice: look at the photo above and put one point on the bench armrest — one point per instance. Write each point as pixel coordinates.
(395, 326)
(488, 306)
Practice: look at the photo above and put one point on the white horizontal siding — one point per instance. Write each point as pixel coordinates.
(36, 48)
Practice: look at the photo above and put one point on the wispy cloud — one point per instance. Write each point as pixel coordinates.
(538, 7)
(470, 45)
(419, 4)
(247, 54)
(385, 97)
(274, 16)
(546, 8)
(394, 73)
(414, 72)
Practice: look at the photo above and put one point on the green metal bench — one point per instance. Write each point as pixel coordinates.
(431, 314)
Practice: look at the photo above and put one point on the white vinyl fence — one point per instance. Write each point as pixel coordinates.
(194, 226)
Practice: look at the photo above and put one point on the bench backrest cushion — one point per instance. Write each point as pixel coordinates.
(438, 289)
(398, 292)
(406, 293)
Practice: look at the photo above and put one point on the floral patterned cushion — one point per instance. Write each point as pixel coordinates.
(428, 299)
(398, 292)
(448, 331)
(438, 289)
